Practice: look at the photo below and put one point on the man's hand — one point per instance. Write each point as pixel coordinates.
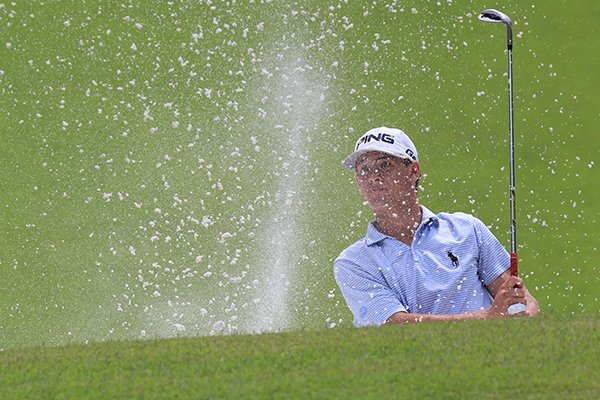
(507, 290)
(511, 291)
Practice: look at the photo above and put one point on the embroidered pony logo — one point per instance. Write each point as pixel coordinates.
(453, 258)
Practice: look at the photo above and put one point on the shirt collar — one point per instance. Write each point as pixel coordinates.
(429, 218)
(374, 236)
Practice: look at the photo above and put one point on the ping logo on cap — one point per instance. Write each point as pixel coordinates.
(380, 137)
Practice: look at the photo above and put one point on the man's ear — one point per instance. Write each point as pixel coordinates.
(416, 168)
(416, 171)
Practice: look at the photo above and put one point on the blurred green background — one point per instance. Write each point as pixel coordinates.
(173, 168)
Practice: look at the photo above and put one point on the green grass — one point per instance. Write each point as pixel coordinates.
(544, 358)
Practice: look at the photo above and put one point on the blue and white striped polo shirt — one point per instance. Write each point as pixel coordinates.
(445, 271)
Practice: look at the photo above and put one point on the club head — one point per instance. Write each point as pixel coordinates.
(494, 16)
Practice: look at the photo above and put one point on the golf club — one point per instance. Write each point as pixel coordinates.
(495, 16)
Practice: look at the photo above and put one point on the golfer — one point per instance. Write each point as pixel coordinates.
(414, 265)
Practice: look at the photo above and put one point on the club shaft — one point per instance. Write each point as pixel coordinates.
(513, 217)
(495, 16)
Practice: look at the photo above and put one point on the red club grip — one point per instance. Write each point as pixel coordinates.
(514, 271)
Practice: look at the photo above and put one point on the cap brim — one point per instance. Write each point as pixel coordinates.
(350, 161)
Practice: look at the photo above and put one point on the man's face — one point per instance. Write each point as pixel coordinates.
(385, 180)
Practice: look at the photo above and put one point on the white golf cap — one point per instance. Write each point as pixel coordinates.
(387, 140)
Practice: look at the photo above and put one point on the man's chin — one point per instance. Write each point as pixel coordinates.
(379, 204)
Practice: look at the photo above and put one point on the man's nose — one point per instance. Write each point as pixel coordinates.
(375, 175)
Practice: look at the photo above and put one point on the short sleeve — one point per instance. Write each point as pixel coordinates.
(493, 257)
(368, 296)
